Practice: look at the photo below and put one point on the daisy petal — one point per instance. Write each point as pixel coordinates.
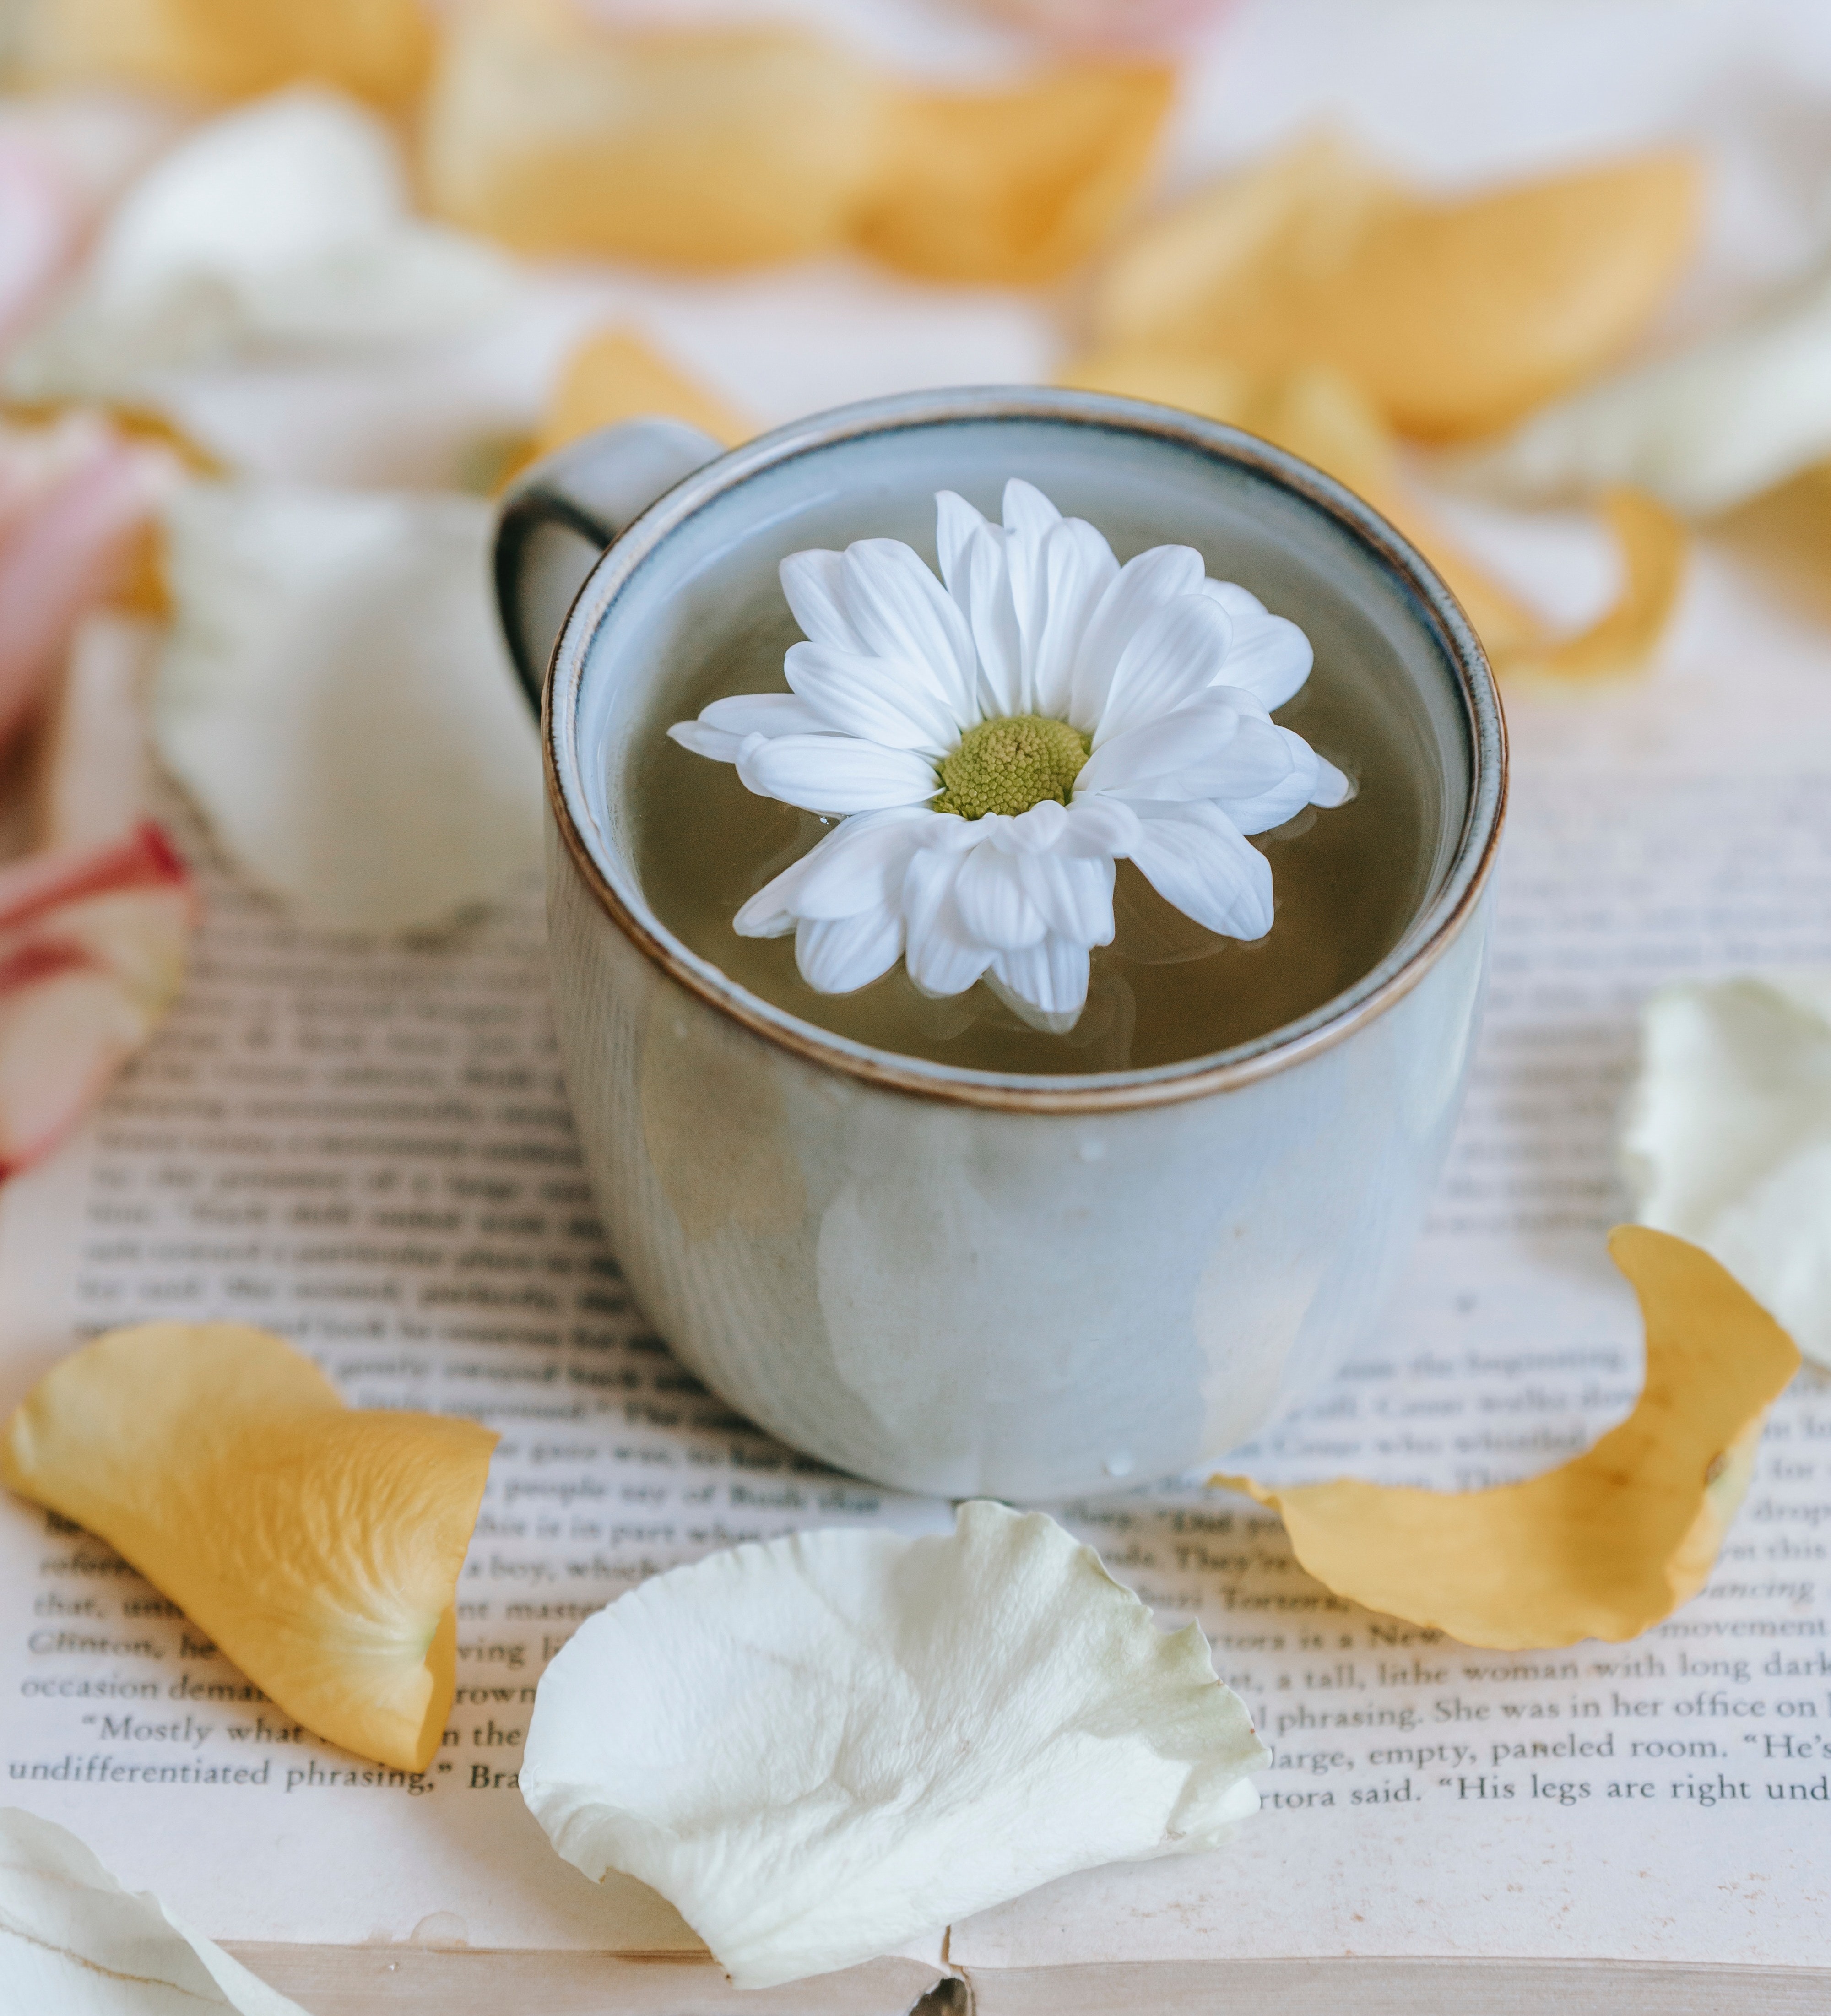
(984, 592)
(877, 700)
(956, 521)
(1333, 787)
(1028, 514)
(1074, 892)
(1196, 752)
(1140, 588)
(1196, 858)
(900, 611)
(1270, 656)
(813, 581)
(695, 737)
(1033, 832)
(1046, 984)
(834, 773)
(722, 729)
(1179, 649)
(1078, 568)
(840, 955)
(857, 866)
(1099, 825)
(940, 957)
(861, 864)
(1259, 811)
(989, 895)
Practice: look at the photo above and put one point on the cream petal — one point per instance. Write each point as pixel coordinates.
(834, 773)
(814, 582)
(900, 611)
(1269, 656)
(1703, 428)
(1196, 858)
(1028, 515)
(840, 955)
(1045, 984)
(73, 1943)
(334, 691)
(878, 700)
(1078, 569)
(990, 897)
(822, 1746)
(1139, 588)
(1727, 1140)
(941, 958)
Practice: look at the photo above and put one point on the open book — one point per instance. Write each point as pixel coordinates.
(366, 1145)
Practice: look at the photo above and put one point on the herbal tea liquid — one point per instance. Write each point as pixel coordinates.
(1346, 883)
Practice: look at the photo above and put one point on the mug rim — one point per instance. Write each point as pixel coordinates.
(1435, 929)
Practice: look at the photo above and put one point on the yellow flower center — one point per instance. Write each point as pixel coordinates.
(1010, 763)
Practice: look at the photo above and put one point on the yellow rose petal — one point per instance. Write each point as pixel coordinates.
(1011, 188)
(319, 1547)
(1604, 1547)
(701, 150)
(234, 48)
(1454, 316)
(614, 375)
(1315, 412)
(1653, 545)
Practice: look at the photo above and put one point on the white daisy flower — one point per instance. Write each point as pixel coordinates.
(992, 743)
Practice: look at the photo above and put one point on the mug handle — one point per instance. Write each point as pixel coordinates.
(560, 513)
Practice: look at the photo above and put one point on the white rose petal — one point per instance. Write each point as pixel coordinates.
(1728, 1136)
(285, 225)
(820, 1747)
(1702, 430)
(73, 1943)
(335, 693)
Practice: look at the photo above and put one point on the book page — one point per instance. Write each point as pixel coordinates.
(1663, 1800)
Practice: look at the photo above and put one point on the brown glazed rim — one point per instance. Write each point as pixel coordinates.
(1280, 1050)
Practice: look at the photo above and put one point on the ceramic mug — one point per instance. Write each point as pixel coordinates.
(952, 1281)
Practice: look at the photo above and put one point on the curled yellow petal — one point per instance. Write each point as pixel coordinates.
(615, 375)
(1316, 413)
(730, 147)
(1010, 187)
(1653, 545)
(232, 48)
(1604, 1547)
(319, 1547)
(1454, 316)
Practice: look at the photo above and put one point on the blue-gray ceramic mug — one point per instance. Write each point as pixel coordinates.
(962, 1282)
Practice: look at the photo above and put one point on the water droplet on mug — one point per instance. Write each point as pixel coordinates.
(1092, 1149)
(1118, 1463)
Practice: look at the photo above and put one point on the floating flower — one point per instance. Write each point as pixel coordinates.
(993, 745)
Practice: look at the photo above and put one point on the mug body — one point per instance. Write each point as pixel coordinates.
(961, 1282)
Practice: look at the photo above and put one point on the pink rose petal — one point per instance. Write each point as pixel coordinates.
(73, 497)
(91, 955)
